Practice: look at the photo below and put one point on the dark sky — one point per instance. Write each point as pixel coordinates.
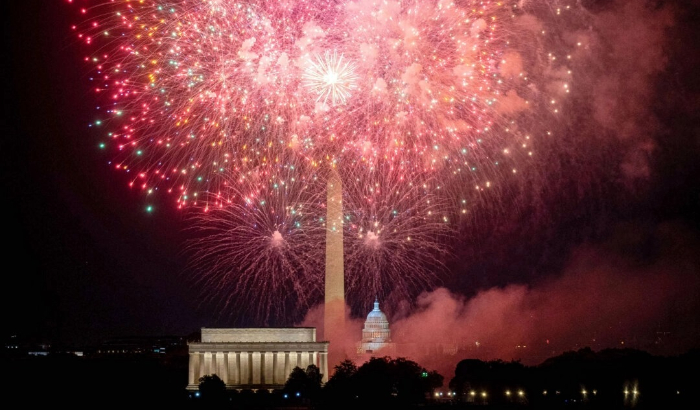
(84, 261)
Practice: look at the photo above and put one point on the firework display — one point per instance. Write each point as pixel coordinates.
(238, 108)
(262, 244)
(396, 235)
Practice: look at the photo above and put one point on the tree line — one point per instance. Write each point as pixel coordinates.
(380, 382)
(610, 378)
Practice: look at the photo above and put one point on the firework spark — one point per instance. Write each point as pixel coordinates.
(331, 78)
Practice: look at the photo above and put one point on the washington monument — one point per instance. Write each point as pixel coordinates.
(334, 309)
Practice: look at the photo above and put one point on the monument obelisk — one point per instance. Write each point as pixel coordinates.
(334, 308)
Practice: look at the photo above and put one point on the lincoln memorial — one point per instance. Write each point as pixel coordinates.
(255, 358)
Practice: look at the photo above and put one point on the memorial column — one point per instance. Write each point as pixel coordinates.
(190, 372)
(323, 366)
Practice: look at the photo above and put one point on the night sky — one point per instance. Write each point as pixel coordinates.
(609, 250)
(85, 260)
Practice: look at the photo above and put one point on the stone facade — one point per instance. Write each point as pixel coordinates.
(255, 358)
(259, 335)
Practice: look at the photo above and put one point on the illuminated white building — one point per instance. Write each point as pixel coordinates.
(376, 334)
(255, 358)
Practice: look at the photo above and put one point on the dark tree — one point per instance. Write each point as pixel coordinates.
(212, 388)
(374, 381)
(409, 383)
(296, 382)
(383, 382)
(313, 381)
(343, 375)
(345, 370)
(304, 385)
(341, 387)
(433, 380)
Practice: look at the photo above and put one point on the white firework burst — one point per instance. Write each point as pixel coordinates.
(331, 78)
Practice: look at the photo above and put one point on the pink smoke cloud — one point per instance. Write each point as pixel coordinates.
(622, 58)
(602, 300)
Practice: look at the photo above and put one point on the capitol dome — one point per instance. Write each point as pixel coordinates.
(376, 333)
(376, 315)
